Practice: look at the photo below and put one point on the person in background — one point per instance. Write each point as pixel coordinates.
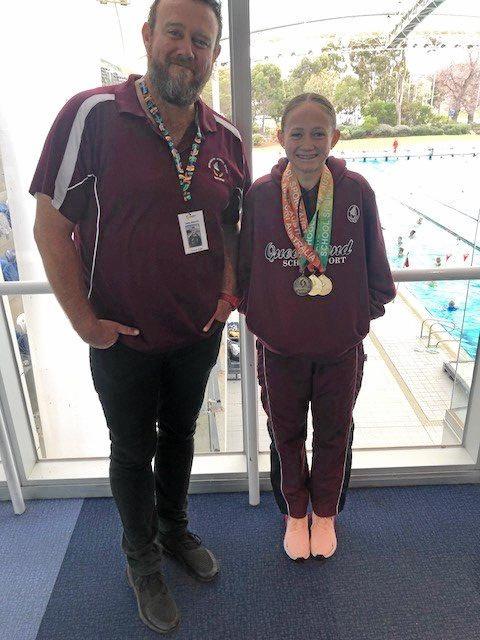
(5, 221)
(451, 306)
(395, 145)
(9, 267)
(313, 273)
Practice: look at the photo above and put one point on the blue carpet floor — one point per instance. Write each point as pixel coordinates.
(407, 568)
(32, 548)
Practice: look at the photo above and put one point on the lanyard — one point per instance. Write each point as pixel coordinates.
(184, 176)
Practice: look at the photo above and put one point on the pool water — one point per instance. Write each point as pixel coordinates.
(444, 189)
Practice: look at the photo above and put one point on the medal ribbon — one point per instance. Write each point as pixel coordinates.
(312, 241)
(184, 176)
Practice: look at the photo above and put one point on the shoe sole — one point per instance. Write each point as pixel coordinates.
(145, 620)
(189, 570)
(323, 558)
(300, 559)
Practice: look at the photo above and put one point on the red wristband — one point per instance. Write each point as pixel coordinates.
(232, 300)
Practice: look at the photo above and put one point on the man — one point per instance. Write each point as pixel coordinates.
(130, 170)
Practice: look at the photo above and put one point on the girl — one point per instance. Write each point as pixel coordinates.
(313, 272)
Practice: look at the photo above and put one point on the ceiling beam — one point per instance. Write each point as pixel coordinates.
(410, 19)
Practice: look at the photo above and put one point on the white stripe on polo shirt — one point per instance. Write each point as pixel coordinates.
(228, 126)
(70, 156)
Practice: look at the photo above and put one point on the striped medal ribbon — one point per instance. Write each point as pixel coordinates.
(312, 241)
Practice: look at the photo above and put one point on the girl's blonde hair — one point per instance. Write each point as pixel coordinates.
(310, 97)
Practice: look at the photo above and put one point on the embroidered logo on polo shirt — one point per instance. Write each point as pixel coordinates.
(219, 169)
(353, 213)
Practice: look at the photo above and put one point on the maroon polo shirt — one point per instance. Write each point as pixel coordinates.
(323, 327)
(110, 172)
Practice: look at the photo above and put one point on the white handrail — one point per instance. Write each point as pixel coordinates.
(24, 287)
(10, 469)
(30, 287)
(436, 273)
(239, 19)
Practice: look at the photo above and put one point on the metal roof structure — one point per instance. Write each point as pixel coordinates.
(413, 17)
(386, 17)
(287, 31)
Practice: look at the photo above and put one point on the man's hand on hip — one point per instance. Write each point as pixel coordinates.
(103, 334)
(224, 309)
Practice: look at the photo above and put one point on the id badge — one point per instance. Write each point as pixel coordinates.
(194, 234)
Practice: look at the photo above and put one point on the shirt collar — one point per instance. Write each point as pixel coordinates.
(207, 121)
(127, 100)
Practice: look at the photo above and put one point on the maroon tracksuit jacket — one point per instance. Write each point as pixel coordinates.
(310, 347)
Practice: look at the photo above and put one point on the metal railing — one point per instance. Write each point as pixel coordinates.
(10, 469)
(29, 287)
(387, 155)
(435, 321)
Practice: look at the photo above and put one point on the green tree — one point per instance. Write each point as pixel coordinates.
(225, 92)
(349, 94)
(369, 123)
(384, 112)
(299, 76)
(331, 64)
(268, 93)
(416, 113)
(382, 72)
(323, 82)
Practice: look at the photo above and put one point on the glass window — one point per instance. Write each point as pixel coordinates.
(421, 157)
(65, 414)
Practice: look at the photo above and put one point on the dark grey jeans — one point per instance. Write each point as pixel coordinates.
(151, 403)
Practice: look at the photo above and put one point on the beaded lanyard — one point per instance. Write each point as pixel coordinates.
(184, 177)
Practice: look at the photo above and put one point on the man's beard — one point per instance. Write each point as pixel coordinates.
(177, 90)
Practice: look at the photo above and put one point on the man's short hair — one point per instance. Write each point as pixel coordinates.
(214, 5)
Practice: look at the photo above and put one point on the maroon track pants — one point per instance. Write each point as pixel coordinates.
(288, 386)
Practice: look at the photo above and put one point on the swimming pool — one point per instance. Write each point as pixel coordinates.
(443, 189)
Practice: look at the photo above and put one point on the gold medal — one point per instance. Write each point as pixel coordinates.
(325, 285)
(316, 286)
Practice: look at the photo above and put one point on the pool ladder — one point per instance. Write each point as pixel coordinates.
(445, 324)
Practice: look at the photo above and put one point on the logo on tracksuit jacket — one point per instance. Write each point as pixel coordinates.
(289, 256)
